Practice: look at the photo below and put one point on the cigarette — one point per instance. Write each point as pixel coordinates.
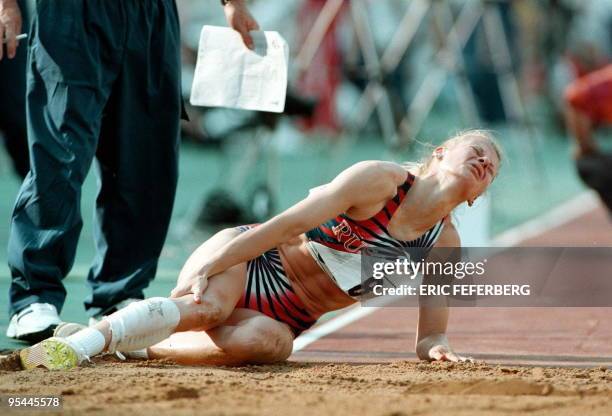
(18, 37)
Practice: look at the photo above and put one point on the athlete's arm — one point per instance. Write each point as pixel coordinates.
(363, 184)
(431, 341)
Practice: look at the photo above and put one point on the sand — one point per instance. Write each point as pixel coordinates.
(110, 387)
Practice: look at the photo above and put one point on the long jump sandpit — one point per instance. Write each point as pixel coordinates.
(536, 361)
(396, 388)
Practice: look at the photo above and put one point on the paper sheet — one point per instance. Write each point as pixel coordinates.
(228, 74)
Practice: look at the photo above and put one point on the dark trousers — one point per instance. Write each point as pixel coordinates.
(103, 82)
(12, 103)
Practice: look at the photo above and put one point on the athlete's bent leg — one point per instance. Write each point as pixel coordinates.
(150, 321)
(247, 337)
(147, 322)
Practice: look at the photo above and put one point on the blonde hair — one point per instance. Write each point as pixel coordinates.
(422, 165)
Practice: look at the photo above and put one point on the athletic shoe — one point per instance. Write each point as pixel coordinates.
(34, 323)
(97, 318)
(53, 354)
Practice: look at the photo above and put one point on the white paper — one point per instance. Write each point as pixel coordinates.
(228, 74)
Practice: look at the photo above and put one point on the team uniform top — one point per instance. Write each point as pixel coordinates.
(297, 286)
(337, 244)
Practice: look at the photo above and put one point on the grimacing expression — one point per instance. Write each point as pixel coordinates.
(471, 160)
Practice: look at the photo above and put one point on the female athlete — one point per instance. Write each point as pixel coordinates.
(246, 293)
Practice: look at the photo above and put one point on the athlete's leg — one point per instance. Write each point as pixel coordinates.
(180, 314)
(142, 324)
(247, 337)
(152, 320)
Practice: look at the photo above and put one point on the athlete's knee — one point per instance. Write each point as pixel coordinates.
(282, 347)
(266, 345)
(272, 345)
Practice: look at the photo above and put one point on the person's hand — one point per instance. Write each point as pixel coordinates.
(436, 348)
(10, 27)
(239, 19)
(195, 284)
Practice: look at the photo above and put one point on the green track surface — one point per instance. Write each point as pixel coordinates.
(527, 186)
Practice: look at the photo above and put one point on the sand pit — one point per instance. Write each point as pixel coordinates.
(402, 388)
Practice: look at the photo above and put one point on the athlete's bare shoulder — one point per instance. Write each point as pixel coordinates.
(368, 182)
(381, 169)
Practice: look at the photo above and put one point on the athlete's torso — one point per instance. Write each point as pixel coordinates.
(324, 264)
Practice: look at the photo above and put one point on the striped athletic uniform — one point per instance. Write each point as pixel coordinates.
(269, 291)
(335, 246)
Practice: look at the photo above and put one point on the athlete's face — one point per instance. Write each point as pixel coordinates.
(471, 161)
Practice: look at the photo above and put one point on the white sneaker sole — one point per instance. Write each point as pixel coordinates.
(52, 354)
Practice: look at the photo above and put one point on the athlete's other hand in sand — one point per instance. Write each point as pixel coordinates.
(436, 348)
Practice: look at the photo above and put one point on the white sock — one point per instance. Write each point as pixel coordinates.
(142, 324)
(89, 341)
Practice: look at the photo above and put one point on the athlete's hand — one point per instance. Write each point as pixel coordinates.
(436, 348)
(196, 284)
(10, 27)
(239, 19)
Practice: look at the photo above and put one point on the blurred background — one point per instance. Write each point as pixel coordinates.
(370, 80)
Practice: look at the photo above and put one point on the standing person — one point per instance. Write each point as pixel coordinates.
(246, 293)
(589, 107)
(12, 100)
(103, 81)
